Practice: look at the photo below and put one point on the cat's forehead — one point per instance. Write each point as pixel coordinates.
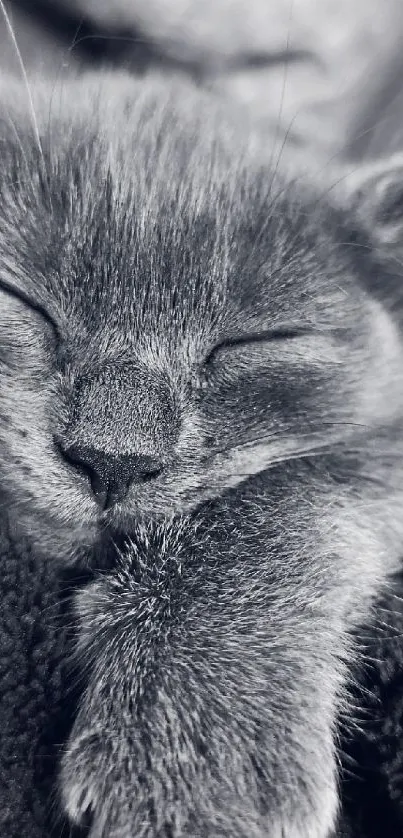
(116, 262)
(151, 234)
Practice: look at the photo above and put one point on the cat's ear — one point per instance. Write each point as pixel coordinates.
(375, 194)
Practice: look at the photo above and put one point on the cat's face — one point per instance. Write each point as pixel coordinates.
(169, 324)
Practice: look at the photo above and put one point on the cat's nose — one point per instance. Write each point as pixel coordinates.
(111, 476)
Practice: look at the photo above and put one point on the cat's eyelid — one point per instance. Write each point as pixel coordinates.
(267, 336)
(281, 333)
(8, 288)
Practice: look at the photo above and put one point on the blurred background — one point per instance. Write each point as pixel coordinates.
(327, 72)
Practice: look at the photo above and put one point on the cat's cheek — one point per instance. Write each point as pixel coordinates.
(43, 498)
(80, 786)
(379, 396)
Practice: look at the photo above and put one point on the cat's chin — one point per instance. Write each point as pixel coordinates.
(125, 516)
(79, 533)
(73, 537)
(72, 541)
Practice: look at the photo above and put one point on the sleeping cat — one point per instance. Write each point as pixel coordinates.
(201, 377)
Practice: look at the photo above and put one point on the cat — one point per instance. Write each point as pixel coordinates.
(201, 373)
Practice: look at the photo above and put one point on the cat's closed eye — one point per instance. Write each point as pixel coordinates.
(25, 327)
(28, 303)
(254, 340)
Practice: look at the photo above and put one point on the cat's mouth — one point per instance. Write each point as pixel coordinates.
(123, 517)
(162, 499)
(185, 490)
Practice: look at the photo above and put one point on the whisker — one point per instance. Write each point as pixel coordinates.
(283, 88)
(75, 36)
(25, 78)
(314, 428)
(22, 149)
(57, 80)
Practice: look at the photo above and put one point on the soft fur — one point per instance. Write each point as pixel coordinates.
(173, 294)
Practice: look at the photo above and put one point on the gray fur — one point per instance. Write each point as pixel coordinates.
(139, 239)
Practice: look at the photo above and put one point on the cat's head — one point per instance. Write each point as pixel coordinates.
(173, 318)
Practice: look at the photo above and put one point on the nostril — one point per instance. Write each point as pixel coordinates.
(74, 458)
(110, 475)
(150, 474)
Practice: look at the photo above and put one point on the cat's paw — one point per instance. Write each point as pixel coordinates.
(318, 823)
(155, 752)
(80, 776)
(100, 783)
